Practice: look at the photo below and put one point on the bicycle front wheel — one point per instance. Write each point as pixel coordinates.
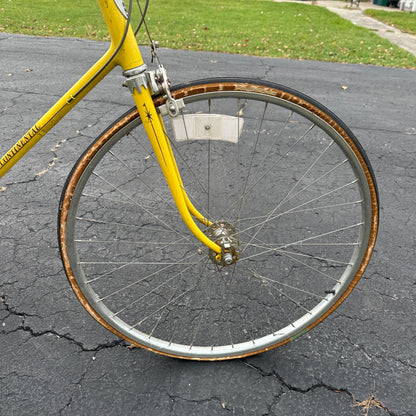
(276, 174)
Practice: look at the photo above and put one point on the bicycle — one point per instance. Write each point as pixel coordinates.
(245, 218)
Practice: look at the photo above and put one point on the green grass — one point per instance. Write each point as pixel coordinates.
(406, 22)
(252, 27)
(81, 18)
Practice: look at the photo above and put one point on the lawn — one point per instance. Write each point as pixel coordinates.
(252, 27)
(404, 21)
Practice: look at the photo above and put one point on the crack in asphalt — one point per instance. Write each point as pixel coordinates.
(13, 101)
(175, 399)
(7, 185)
(12, 310)
(267, 68)
(77, 386)
(67, 337)
(320, 385)
(24, 327)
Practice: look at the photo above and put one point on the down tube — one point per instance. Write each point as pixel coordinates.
(68, 101)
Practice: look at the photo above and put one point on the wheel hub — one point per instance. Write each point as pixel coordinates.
(223, 234)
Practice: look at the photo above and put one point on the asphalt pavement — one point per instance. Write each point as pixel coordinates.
(56, 360)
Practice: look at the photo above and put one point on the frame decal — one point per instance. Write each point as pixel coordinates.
(120, 5)
(19, 145)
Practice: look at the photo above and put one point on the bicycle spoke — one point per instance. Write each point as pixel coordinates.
(270, 217)
(129, 225)
(273, 284)
(274, 249)
(123, 265)
(127, 203)
(204, 308)
(140, 243)
(225, 302)
(135, 202)
(164, 269)
(255, 182)
(166, 282)
(291, 190)
(148, 187)
(253, 152)
(295, 210)
(162, 308)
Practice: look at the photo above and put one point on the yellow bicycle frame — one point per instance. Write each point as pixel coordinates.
(129, 58)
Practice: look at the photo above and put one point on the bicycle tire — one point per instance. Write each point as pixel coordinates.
(275, 171)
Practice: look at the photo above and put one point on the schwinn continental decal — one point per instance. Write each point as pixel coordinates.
(19, 145)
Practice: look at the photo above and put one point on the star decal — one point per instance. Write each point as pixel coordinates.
(148, 114)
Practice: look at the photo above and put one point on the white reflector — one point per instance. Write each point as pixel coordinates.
(207, 127)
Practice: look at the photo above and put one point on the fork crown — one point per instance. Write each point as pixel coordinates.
(136, 78)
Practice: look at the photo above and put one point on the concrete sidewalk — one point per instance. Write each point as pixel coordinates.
(356, 15)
